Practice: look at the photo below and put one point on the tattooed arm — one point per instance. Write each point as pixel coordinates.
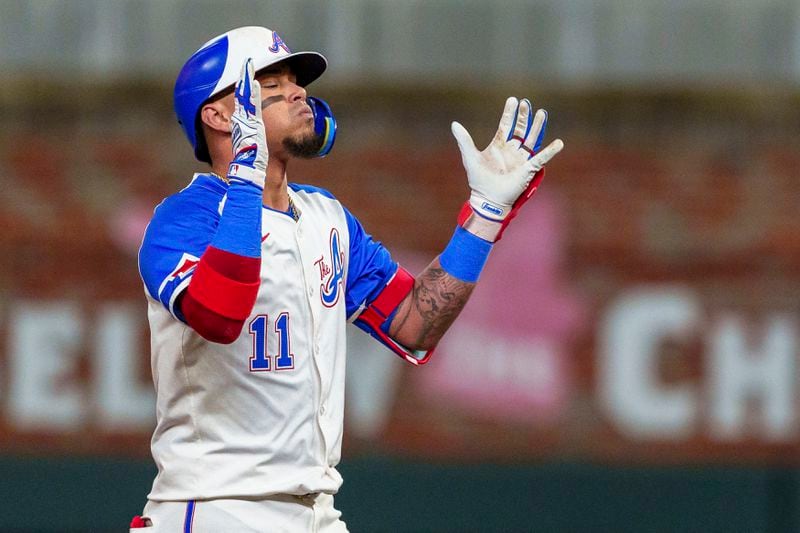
(430, 308)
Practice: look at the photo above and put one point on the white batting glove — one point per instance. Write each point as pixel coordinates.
(506, 174)
(247, 131)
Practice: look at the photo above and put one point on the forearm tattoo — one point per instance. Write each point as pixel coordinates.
(430, 309)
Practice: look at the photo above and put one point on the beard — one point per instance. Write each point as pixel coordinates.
(304, 145)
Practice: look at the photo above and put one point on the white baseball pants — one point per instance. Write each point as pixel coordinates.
(276, 514)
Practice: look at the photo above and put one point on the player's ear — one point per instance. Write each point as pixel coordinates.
(217, 116)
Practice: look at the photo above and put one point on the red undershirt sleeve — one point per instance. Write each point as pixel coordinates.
(221, 294)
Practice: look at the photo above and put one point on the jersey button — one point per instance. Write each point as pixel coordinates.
(322, 409)
(311, 291)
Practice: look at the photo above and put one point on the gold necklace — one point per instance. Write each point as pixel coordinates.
(226, 180)
(293, 211)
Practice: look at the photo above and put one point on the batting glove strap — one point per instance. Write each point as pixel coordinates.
(238, 171)
(492, 230)
(481, 227)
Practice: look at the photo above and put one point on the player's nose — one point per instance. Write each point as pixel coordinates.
(296, 93)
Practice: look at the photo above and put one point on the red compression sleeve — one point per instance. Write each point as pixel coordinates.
(221, 294)
(383, 306)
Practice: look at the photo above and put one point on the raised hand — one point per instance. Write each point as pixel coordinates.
(247, 131)
(507, 172)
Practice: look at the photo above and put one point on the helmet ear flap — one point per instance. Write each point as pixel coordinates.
(324, 124)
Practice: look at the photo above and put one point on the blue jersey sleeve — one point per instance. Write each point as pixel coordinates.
(181, 229)
(371, 267)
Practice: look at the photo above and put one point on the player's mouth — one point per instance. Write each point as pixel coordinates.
(305, 112)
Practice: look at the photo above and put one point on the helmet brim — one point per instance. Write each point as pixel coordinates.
(307, 66)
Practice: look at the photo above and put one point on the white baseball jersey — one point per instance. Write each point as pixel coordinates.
(263, 415)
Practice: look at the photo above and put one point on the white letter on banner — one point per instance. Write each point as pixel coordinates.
(122, 402)
(635, 326)
(43, 351)
(741, 374)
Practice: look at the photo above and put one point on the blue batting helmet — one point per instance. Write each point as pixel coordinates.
(216, 66)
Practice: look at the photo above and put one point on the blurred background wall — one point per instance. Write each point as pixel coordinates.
(629, 359)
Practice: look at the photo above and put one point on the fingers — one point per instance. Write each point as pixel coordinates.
(248, 92)
(540, 159)
(534, 141)
(242, 87)
(517, 124)
(248, 137)
(463, 138)
(508, 119)
(522, 123)
(527, 129)
(255, 93)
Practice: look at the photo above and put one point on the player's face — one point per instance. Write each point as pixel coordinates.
(288, 119)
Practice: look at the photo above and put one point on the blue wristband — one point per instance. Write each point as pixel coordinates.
(239, 230)
(465, 255)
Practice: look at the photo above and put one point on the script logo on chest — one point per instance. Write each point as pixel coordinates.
(331, 274)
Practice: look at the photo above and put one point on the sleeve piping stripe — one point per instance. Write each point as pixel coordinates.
(178, 290)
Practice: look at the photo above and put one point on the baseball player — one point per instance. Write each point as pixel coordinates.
(251, 279)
